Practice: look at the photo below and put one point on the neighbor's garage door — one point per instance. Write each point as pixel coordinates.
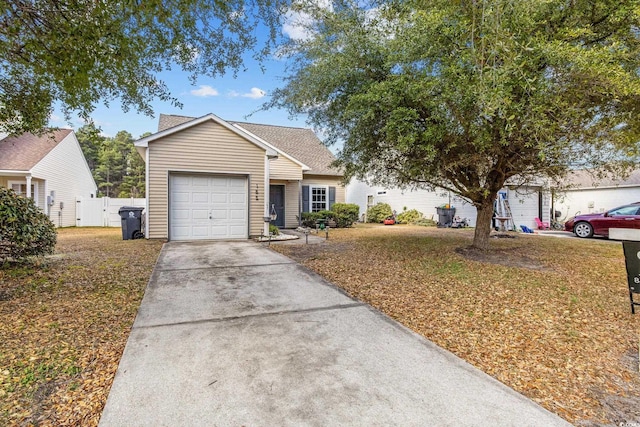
(205, 207)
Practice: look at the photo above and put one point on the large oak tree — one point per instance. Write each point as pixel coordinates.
(82, 52)
(469, 95)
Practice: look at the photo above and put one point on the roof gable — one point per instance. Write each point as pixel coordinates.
(299, 144)
(583, 178)
(186, 123)
(23, 152)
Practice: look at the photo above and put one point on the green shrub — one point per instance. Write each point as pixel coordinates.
(379, 212)
(345, 214)
(425, 222)
(410, 216)
(273, 230)
(24, 229)
(309, 219)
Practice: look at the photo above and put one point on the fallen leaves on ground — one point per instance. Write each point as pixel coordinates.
(549, 317)
(65, 324)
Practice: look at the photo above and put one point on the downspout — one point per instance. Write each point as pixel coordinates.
(265, 227)
(299, 203)
(146, 193)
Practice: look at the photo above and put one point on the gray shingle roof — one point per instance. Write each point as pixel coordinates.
(584, 179)
(21, 153)
(167, 121)
(299, 143)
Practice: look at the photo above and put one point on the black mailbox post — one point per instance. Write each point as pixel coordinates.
(632, 260)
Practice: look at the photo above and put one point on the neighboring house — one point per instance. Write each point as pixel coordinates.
(526, 203)
(588, 194)
(208, 178)
(50, 169)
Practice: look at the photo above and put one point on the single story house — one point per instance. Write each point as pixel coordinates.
(589, 195)
(207, 178)
(50, 168)
(526, 203)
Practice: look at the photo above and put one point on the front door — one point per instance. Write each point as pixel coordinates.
(276, 201)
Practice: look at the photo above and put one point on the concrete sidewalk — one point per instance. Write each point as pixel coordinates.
(233, 334)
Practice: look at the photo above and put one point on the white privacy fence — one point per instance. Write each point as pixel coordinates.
(102, 212)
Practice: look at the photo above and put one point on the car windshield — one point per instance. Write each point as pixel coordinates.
(625, 210)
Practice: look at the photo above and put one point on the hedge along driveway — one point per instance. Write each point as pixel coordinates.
(65, 324)
(548, 317)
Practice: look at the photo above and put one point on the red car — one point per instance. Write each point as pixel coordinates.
(627, 216)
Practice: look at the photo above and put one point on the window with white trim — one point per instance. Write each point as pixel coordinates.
(318, 198)
(21, 189)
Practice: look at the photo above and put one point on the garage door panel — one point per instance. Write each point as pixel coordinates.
(237, 182)
(237, 198)
(199, 181)
(180, 233)
(200, 197)
(219, 214)
(200, 232)
(207, 207)
(236, 231)
(219, 198)
(200, 214)
(220, 232)
(180, 214)
(237, 214)
(180, 197)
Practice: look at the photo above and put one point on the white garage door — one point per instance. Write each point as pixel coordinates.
(524, 207)
(204, 207)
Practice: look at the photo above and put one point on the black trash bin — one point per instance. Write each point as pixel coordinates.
(445, 216)
(131, 218)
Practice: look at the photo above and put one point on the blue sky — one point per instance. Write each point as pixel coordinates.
(227, 97)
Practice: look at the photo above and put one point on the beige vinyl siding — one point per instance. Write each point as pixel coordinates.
(291, 196)
(283, 168)
(208, 148)
(329, 181)
(66, 172)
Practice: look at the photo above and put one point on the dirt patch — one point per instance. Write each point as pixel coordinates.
(509, 258)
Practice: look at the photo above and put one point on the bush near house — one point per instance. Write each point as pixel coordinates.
(343, 214)
(25, 230)
(379, 212)
(411, 216)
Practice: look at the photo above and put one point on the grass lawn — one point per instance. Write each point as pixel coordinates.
(65, 324)
(549, 317)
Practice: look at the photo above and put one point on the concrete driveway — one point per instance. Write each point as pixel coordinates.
(233, 334)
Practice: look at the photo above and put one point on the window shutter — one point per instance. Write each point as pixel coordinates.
(332, 196)
(305, 198)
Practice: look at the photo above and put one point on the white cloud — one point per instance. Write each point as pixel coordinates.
(254, 93)
(299, 25)
(204, 91)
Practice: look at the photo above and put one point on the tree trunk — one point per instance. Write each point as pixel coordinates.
(483, 226)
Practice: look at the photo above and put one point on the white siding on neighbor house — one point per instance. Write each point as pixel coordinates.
(66, 172)
(524, 204)
(284, 169)
(594, 200)
(206, 148)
